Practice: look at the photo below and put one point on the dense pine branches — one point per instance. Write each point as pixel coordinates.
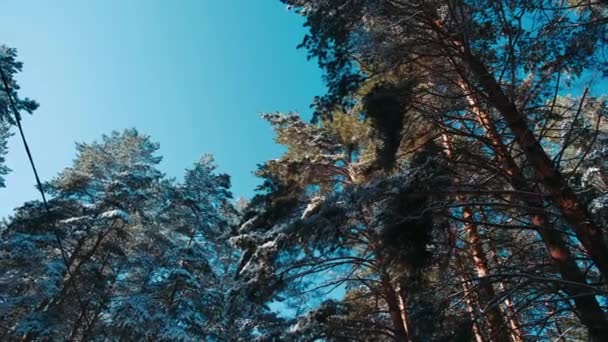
(148, 258)
(449, 188)
(489, 80)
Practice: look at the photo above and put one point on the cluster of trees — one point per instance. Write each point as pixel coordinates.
(125, 253)
(451, 186)
(449, 180)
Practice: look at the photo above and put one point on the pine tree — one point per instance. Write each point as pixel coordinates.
(144, 257)
(9, 67)
(488, 78)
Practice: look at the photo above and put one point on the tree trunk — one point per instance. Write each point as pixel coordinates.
(562, 196)
(486, 289)
(590, 312)
(407, 325)
(511, 314)
(471, 310)
(471, 305)
(393, 309)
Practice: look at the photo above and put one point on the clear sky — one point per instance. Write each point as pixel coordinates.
(193, 74)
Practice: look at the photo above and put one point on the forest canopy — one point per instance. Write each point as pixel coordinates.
(452, 185)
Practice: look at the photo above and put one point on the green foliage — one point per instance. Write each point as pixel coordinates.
(413, 206)
(5, 134)
(386, 107)
(147, 258)
(10, 67)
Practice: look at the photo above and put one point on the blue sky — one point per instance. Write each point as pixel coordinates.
(193, 74)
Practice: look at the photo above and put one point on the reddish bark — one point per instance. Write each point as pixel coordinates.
(494, 316)
(562, 196)
(498, 331)
(591, 314)
(393, 309)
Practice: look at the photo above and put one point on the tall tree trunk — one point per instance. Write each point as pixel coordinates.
(393, 309)
(511, 314)
(471, 305)
(562, 196)
(498, 331)
(407, 324)
(471, 309)
(590, 312)
(486, 289)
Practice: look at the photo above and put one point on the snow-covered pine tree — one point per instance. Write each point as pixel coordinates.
(147, 257)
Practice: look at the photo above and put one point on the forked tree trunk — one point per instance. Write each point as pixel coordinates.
(390, 295)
